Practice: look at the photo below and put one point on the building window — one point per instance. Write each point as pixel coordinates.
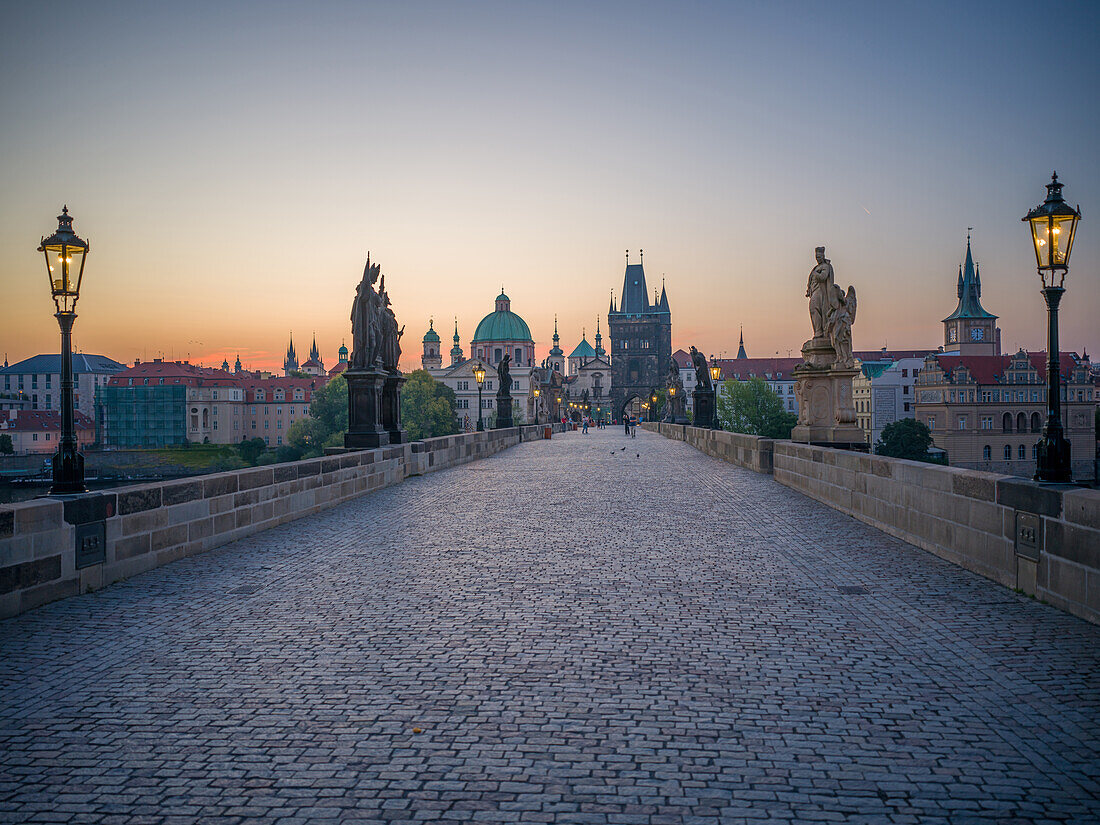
(962, 422)
(1006, 423)
(987, 422)
(906, 405)
(1008, 452)
(905, 389)
(987, 452)
(34, 436)
(1036, 423)
(1022, 452)
(904, 373)
(1034, 452)
(932, 423)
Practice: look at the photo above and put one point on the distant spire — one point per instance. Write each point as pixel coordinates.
(641, 256)
(612, 307)
(456, 329)
(628, 257)
(741, 347)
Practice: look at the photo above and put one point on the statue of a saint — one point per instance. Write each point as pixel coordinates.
(702, 373)
(819, 289)
(364, 322)
(840, 325)
(504, 374)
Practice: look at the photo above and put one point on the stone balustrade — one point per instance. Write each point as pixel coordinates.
(1041, 539)
(53, 548)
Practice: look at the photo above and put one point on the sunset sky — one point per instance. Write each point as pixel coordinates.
(232, 164)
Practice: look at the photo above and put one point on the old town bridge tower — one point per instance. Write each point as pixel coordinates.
(641, 340)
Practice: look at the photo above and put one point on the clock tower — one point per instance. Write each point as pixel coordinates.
(970, 330)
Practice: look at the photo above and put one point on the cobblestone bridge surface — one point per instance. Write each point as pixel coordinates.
(594, 629)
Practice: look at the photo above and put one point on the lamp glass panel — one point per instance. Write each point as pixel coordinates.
(1040, 238)
(1062, 244)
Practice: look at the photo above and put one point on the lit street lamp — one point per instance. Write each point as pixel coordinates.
(65, 255)
(537, 416)
(715, 374)
(479, 377)
(1052, 225)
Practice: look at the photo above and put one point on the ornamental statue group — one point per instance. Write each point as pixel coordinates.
(823, 381)
(373, 374)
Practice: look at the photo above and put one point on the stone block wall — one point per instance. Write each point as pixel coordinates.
(1043, 540)
(749, 451)
(128, 530)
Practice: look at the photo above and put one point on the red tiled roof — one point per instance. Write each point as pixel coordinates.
(339, 368)
(288, 385)
(189, 374)
(990, 369)
(743, 368)
(40, 420)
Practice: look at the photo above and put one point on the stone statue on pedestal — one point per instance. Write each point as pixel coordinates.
(504, 393)
(702, 372)
(373, 375)
(674, 387)
(823, 382)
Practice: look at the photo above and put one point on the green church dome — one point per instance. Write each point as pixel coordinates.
(431, 336)
(502, 325)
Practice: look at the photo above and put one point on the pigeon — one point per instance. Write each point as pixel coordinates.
(621, 449)
(637, 455)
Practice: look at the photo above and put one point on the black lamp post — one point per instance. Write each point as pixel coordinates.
(715, 374)
(537, 416)
(479, 377)
(1053, 224)
(65, 255)
(652, 406)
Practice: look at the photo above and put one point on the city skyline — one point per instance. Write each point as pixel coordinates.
(232, 169)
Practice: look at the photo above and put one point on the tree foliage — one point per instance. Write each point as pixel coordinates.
(251, 449)
(6, 447)
(907, 438)
(427, 407)
(753, 408)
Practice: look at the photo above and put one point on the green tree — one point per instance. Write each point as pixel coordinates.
(427, 407)
(250, 449)
(6, 447)
(297, 374)
(753, 408)
(907, 438)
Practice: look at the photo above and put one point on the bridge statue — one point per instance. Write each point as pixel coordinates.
(674, 386)
(504, 393)
(823, 381)
(373, 375)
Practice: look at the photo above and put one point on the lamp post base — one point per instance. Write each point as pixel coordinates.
(68, 474)
(1053, 461)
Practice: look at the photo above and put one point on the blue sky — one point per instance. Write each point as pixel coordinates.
(232, 164)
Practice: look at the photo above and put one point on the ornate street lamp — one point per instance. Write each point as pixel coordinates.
(1053, 224)
(536, 392)
(65, 255)
(479, 377)
(715, 374)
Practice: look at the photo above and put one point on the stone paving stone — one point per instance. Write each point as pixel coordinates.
(584, 634)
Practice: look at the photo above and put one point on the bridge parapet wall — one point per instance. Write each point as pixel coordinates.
(749, 451)
(137, 528)
(1043, 540)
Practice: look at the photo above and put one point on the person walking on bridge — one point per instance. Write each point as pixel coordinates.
(626, 423)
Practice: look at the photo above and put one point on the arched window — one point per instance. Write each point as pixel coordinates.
(498, 354)
(1021, 423)
(1008, 452)
(1036, 423)
(1022, 452)
(1006, 423)
(987, 452)
(1034, 452)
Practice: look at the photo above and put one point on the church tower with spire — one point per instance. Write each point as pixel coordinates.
(741, 345)
(557, 356)
(290, 362)
(640, 333)
(456, 350)
(970, 330)
(432, 359)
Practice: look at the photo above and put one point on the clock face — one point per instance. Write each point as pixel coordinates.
(977, 334)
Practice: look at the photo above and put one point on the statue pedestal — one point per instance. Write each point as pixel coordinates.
(504, 412)
(365, 419)
(826, 412)
(704, 409)
(391, 408)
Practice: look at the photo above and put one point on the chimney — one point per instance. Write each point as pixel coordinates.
(137, 361)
